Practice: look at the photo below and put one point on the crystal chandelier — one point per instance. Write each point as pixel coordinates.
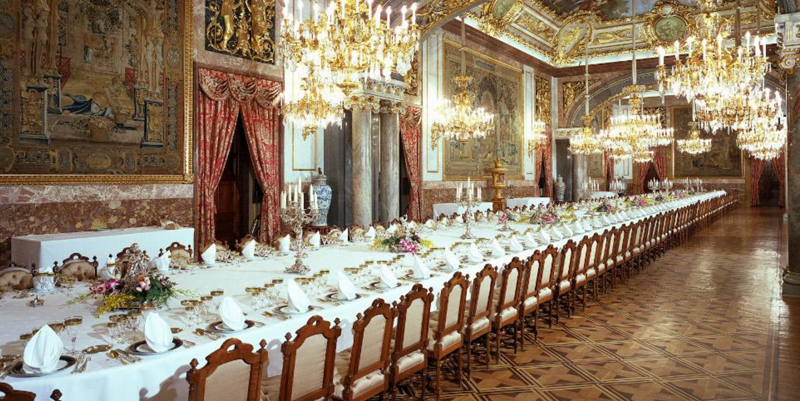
(694, 145)
(344, 46)
(459, 120)
(586, 143)
(314, 108)
(713, 76)
(633, 133)
(763, 141)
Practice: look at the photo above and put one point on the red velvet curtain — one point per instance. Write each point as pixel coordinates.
(643, 168)
(779, 167)
(257, 99)
(216, 121)
(545, 153)
(756, 169)
(660, 163)
(609, 169)
(411, 134)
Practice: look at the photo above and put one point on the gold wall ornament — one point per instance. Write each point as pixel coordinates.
(572, 89)
(543, 99)
(572, 37)
(89, 127)
(497, 15)
(617, 37)
(667, 22)
(412, 77)
(241, 28)
(535, 26)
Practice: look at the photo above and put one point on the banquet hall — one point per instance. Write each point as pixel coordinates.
(480, 200)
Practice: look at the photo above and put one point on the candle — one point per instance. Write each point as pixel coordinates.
(414, 14)
(479, 194)
(677, 50)
(660, 55)
(283, 200)
(747, 40)
(388, 16)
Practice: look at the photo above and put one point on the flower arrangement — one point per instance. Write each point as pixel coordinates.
(604, 207)
(402, 241)
(502, 219)
(151, 288)
(544, 217)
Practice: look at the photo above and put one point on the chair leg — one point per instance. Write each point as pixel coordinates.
(536, 323)
(424, 380)
(469, 359)
(460, 376)
(522, 331)
(550, 313)
(497, 346)
(583, 298)
(438, 379)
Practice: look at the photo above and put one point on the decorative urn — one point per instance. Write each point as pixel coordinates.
(324, 196)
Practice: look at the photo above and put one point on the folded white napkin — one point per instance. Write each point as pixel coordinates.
(474, 254)
(514, 245)
(42, 352)
(421, 271)
(346, 288)
(555, 233)
(344, 236)
(566, 231)
(459, 219)
(577, 227)
(285, 244)
(544, 237)
(210, 255)
(231, 314)
(451, 259)
(297, 298)
(388, 279)
(445, 220)
(162, 262)
(157, 333)
(315, 241)
(429, 223)
(412, 225)
(370, 235)
(108, 271)
(530, 242)
(392, 229)
(587, 226)
(497, 249)
(249, 250)
(606, 220)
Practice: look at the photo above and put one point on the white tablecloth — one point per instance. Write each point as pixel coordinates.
(522, 202)
(163, 377)
(602, 195)
(48, 248)
(449, 208)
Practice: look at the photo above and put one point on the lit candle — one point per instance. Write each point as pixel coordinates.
(660, 55)
(343, 4)
(414, 14)
(283, 200)
(747, 40)
(403, 11)
(388, 16)
(764, 46)
(316, 11)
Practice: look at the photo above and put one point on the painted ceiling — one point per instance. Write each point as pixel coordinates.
(605, 9)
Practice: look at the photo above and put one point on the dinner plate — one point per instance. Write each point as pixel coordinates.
(218, 327)
(65, 362)
(334, 297)
(140, 348)
(284, 310)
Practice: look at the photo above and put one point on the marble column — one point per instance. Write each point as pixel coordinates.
(389, 207)
(361, 200)
(578, 176)
(791, 281)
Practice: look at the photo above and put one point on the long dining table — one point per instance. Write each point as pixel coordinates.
(162, 377)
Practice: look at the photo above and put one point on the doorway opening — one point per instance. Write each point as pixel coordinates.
(651, 175)
(769, 186)
(238, 196)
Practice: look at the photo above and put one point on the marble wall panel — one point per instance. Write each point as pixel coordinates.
(49, 209)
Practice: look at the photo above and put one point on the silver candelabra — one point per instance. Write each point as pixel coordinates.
(467, 202)
(295, 215)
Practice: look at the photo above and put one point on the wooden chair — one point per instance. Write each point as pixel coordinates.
(594, 274)
(16, 278)
(176, 250)
(308, 363)
(9, 394)
(531, 278)
(580, 278)
(409, 354)
(233, 371)
(545, 290)
(447, 326)
(478, 325)
(506, 313)
(365, 366)
(562, 285)
(617, 268)
(78, 266)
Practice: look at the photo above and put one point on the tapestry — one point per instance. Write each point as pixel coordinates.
(594, 166)
(241, 28)
(93, 87)
(498, 89)
(724, 159)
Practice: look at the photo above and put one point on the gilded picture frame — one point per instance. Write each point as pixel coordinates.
(142, 117)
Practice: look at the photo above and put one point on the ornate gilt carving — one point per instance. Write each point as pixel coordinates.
(535, 26)
(543, 98)
(241, 28)
(572, 90)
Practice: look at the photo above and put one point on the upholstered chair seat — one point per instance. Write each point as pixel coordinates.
(16, 278)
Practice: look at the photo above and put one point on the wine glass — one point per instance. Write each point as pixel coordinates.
(71, 328)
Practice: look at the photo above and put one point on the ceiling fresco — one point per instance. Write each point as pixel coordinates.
(605, 9)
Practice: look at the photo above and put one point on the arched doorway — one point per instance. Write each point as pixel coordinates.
(769, 186)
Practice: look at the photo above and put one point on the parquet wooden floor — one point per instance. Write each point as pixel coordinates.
(704, 322)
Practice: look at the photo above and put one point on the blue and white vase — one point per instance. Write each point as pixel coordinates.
(324, 195)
